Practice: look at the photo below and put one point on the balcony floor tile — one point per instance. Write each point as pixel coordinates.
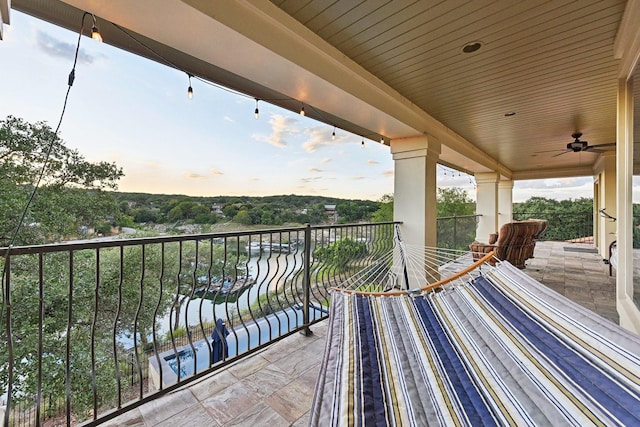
(275, 386)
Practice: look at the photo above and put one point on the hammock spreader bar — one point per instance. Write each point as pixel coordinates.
(493, 349)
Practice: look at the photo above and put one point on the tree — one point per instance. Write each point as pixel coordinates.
(385, 209)
(339, 254)
(454, 202)
(567, 219)
(71, 193)
(454, 232)
(242, 217)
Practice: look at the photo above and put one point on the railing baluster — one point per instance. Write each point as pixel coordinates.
(40, 337)
(307, 280)
(68, 347)
(94, 385)
(135, 321)
(7, 307)
(155, 314)
(203, 299)
(288, 282)
(115, 326)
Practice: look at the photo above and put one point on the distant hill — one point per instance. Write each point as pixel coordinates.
(246, 210)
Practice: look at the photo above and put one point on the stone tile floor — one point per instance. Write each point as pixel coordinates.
(275, 386)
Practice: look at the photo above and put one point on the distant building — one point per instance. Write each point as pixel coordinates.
(331, 213)
(216, 208)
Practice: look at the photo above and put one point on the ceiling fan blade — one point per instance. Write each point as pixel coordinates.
(611, 144)
(564, 152)
(548, 151)
(594, 150)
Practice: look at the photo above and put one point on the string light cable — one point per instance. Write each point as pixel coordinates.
(171, 64)
(5, 286)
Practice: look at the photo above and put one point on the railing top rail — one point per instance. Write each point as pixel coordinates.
(459, 216)
(324, 227)
(81, 245)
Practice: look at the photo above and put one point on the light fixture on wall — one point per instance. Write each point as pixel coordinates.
(302, 112)
(256, 113)
(333, 134)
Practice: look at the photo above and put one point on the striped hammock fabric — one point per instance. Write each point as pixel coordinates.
(500, 349)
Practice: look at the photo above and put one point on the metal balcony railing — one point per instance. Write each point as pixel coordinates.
(91, 330)
(562, 226)
(456, 232)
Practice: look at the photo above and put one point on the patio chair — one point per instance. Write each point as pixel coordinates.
(515, 242)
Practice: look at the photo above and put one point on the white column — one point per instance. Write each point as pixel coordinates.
(628, 311)
(505, 202)
(597, 205)
(486, 205)
(415, 195)
(606, 198)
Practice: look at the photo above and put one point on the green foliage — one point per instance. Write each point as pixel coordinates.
(116, 290)
(567, 219)
(352, 212)
(267, 211)
(126, 221)
(71, 193)
(385, 209)
(454, 202)
(339, 254)
(242, 217)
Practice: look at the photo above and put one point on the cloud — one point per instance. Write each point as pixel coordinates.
(326, 160)
(318, 137)
(215, 172)
(556, 183)
(315, 170)
(282, 128)
(558, 188)
(358, 178)
(388, 173)
(154, 165)
(56, 48)
(373, 162)
(255, 179)
(229, 119)
(311, 179)
(195, 175)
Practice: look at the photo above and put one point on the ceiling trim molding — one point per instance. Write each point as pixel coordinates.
(553, 173)
(627, 43)
(5, 6)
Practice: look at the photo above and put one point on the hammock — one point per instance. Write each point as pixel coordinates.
(496, 348)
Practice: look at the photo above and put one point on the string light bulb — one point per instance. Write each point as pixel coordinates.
(190, 89)
(302, 112)
(95, 33)
(362, 143)
(256, 113)
(333, 134)
(381, 139)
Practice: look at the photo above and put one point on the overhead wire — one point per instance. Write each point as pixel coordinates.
(6, 303)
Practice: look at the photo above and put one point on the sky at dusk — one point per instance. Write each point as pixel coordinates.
(136, 113)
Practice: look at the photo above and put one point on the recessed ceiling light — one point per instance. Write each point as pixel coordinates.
(510, 113)
(472, 47)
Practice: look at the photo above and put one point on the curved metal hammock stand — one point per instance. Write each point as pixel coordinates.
(493, 347)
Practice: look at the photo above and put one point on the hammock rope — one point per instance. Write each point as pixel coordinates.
(493, 347)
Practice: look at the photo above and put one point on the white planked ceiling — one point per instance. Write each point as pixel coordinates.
(550, 62)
